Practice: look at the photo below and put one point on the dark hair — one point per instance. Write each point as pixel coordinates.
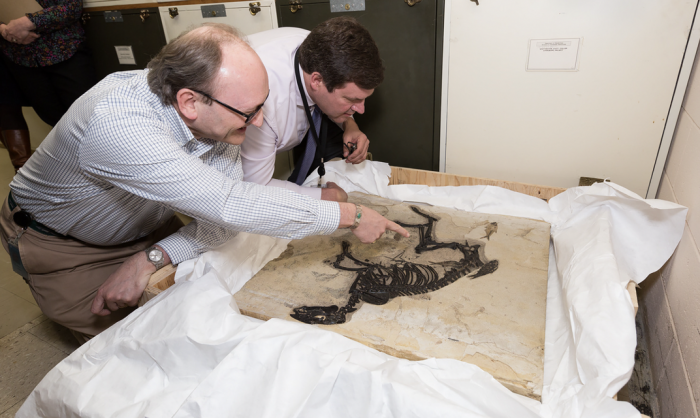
(342, 51)
(189, 61)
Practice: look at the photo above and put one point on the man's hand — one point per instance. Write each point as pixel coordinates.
(19, 31)
(333, 192)
(372, 225)
(124, 287)
(354, 135)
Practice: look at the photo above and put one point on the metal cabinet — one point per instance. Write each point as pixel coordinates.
(402, 117)
(248, 17)
(139, 29)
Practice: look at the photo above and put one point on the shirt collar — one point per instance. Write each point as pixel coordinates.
(181, 132)
(300, 103)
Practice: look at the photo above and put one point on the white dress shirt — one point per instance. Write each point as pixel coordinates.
(120, 162)
(285, 123)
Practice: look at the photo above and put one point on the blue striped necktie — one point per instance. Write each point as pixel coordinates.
(310, 151)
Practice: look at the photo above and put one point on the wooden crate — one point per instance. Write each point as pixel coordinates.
(165, 277)
(401, 175)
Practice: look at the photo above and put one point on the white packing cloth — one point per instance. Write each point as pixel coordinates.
(189, 352)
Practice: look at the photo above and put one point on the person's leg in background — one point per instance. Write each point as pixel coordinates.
(15, 135)
(36, 87)
(73, 77)
(51, 90)
(14, 132)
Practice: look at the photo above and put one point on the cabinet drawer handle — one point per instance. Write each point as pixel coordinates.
(254, 7)
(412, 2)
(295, 6)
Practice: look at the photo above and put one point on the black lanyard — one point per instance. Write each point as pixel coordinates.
(320, 144)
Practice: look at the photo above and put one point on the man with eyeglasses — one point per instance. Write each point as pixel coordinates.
(318, 80)
(91, 215)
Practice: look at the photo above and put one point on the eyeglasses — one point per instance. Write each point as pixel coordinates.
(248, 117)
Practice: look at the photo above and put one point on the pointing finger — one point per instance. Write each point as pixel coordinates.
(397, 228)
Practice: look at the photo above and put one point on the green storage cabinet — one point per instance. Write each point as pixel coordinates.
(139, 28)
(402, 117)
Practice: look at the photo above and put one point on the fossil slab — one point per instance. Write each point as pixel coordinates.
(466, 286)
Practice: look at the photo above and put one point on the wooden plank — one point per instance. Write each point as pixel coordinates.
(159, 281)
(400, 175)
(632, 290)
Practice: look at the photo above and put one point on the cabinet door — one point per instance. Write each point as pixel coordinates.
(238, 15)
(401, 116)
(140, 28)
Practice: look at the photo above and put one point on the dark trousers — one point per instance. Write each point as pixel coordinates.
(51, 90)
(334, 149)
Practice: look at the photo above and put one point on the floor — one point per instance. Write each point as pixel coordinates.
(31, 344)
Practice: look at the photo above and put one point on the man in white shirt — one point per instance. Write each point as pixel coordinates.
(340, 67)
(90, 215)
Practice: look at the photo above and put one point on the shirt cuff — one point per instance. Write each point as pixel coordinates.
(37, 19)
(179, 248)
(328, 217)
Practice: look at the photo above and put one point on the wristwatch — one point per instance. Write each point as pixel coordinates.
(155, 256)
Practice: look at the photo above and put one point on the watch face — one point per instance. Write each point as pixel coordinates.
(155, 255)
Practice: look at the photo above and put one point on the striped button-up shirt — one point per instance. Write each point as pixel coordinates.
(119, 163)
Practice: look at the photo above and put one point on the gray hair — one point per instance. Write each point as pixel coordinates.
(190, 61)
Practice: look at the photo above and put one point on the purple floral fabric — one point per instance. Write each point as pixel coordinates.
(61, 33)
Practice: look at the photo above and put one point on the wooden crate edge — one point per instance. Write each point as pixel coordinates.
(159, 281)
(401, 175)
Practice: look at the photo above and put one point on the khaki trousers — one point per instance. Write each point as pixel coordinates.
(65, 274)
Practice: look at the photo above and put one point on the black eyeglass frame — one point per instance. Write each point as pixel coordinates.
(248, 117)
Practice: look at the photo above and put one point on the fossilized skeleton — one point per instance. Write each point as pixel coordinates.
(377, 284)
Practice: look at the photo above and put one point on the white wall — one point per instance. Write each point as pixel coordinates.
(671, 297)
(605, 120)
